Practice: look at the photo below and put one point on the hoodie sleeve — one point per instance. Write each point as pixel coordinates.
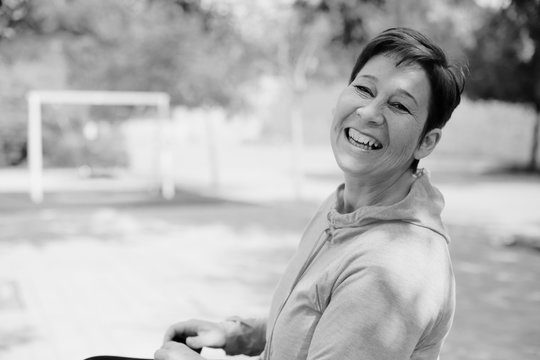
(244, 336)
(370, 316)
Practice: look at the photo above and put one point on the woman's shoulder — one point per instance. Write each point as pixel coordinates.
(402, 254)
(398, 238)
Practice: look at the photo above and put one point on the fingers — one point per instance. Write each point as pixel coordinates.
(197, 334)
(195, 342)
(169, 334)
(184, 328)
(160, 354)
(207, 337)
(169, 350)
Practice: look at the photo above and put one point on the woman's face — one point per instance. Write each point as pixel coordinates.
(379, 118)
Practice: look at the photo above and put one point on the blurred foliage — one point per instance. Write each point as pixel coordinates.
(504, 60)
(324, 36)
(350, 23)
(192, 52)
(347, 18)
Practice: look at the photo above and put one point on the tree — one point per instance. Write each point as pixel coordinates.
(505, 61)
(183, 47)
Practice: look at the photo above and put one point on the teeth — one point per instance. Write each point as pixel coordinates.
(363, 141)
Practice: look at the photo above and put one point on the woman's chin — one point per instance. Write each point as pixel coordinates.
(354, 167)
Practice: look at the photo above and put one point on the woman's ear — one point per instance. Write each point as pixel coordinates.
(428, 143)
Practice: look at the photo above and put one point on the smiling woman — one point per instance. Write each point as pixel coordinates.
(372, 277)
(377, 125)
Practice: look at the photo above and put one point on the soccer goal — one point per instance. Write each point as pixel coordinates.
(36, 100)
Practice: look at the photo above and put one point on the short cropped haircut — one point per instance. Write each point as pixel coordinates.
(410, 47)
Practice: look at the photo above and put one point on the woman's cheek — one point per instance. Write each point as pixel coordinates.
(347, 103)
(403, 152)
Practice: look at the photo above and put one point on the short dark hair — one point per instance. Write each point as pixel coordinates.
(410, 47)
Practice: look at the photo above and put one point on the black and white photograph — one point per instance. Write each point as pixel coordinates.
(269, 179)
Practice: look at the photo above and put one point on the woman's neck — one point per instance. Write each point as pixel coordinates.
(363, 192)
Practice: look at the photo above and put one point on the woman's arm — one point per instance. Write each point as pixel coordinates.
(370, 316)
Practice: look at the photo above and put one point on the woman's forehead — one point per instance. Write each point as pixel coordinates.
(390, 62)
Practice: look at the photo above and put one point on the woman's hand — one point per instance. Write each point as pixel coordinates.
(198, 334)
(172, 350)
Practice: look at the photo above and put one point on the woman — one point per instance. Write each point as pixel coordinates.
(372, 277)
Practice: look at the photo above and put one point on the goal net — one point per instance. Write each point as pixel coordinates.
(160, 156)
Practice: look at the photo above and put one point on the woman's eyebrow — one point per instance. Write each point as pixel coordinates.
(370, 77)
(399, 91)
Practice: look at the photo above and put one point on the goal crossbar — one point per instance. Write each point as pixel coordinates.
(71, 97)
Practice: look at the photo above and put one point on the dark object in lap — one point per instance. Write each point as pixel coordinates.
(109, 357)
(180, 339)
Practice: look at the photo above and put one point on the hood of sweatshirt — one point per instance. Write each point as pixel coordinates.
(421, 207)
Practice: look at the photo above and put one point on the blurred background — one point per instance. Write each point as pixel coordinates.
(139, 213)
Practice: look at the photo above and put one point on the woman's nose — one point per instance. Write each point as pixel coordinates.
(371, 114)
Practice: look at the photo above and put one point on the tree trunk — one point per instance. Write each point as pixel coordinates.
(534, 148)
(297, 144)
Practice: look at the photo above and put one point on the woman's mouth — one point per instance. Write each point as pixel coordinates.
(362, 141)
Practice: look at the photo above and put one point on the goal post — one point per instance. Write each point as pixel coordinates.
(72, 97)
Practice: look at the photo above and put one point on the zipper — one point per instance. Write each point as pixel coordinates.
(328, 233)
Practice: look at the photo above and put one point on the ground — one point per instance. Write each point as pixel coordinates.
(105, 273)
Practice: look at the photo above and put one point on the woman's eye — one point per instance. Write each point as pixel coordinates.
(400, 107)
(363, 90)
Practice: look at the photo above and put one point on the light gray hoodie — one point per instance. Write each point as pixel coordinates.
(373, 284)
